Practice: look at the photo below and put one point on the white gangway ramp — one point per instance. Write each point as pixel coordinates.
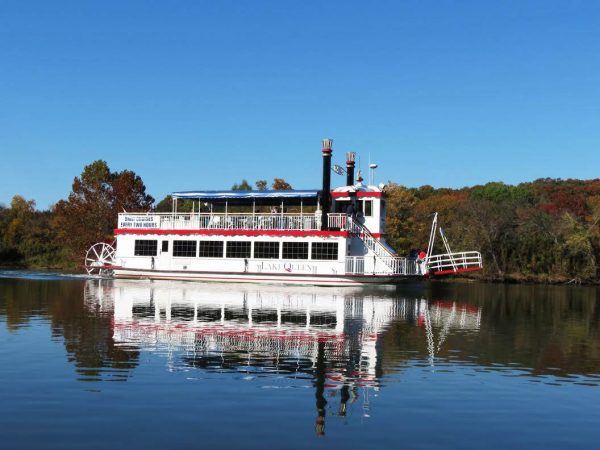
(449, 263)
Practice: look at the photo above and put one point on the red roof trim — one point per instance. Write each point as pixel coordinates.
(359, 194)
(297, 233)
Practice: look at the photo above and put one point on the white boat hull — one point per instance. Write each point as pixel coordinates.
(270, 278)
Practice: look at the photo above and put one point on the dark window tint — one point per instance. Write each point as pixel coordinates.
(145, 247)
(184, 248)
(324, 250)
(238, 249)
(368, 208)
(341, 206)
(295, 250)
(165, 246)
(266, 250)
(210, 249)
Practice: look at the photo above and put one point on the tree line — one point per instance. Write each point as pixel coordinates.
(547, 230)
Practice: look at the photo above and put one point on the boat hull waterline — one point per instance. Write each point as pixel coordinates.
(269, 278)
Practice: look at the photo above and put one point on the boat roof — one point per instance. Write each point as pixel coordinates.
(289, 197)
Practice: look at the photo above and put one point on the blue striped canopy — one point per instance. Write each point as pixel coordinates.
(308, 196)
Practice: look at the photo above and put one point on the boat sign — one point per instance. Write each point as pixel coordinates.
(135, 221)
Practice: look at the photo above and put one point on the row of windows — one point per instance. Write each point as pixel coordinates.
(240, 249)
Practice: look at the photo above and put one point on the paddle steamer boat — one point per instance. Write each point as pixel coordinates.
(318, 237)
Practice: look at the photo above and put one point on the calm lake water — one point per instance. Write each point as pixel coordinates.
(140, 364)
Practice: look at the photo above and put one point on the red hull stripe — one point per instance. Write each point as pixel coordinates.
(358, 194)
(448, 272)
(297, 233)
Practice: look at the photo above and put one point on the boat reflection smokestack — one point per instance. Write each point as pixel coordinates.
(350, 158)
(326, 191)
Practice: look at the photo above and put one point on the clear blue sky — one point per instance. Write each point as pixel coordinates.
(200, 94)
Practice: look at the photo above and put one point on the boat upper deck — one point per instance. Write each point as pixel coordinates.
(225, 221)
(205, 204)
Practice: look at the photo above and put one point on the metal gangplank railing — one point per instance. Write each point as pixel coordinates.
(450, 263)
(222, 221)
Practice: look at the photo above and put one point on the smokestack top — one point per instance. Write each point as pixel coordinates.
(327, 143)
(350, 158)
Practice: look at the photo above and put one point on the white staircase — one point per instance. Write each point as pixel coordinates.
(393, 265)
(370, 242)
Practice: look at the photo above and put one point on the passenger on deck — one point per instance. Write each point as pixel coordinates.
(350, 211)
(422, 264)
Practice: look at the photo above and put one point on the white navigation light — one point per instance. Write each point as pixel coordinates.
(372, 168)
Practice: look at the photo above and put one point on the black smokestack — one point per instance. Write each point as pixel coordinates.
(326, 192)
(350, 157)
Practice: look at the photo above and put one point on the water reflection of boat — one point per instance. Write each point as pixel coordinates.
(227, 320)
(331, 337)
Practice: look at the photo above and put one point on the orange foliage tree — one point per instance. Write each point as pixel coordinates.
(90, 213)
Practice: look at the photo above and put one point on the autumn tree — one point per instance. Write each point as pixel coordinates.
(279, 184)
(90, 213)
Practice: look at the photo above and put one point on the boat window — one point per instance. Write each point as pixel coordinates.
(145, 247)
(341, 206)
(368, 208)
(266, 250)
(184, 248)
(210, 249)
(238, 249)
(324, 250)
(295, 250)
(165, 246)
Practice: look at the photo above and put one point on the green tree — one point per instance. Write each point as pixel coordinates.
(25, 236)
(243, 186)
(261, 185)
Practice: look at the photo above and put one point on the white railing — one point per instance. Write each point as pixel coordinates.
(360, 265)
(355, 265)
(246, 221)
(399, 265)
(220, 221)
(454, 262)
(336, 220)
(370, 242)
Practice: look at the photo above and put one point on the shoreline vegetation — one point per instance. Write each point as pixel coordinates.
(544, 231)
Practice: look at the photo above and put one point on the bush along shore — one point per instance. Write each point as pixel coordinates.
(544, 231)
